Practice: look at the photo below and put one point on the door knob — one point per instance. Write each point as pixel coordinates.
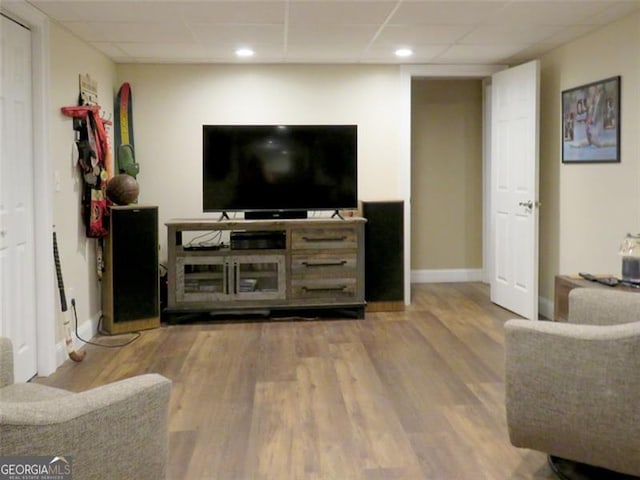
(528, 204)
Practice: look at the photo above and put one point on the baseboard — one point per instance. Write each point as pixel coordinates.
(86, 330)
(447, 276)
(546, 308)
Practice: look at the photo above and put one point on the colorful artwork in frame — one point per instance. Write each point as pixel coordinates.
(591, 122)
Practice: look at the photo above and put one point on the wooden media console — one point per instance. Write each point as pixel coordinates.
(265, 266)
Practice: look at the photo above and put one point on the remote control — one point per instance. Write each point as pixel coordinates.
(609, 281)
(588, 276)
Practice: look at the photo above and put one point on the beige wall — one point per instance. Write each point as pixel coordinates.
(171, 103)
(446, 174)
(68, 59)
(587, 209)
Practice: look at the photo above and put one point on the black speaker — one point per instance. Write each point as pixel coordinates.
(384, 255)
(131, 286)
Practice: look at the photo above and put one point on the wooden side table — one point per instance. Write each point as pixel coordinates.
(565, 283)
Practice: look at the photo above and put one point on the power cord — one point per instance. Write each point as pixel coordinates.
(75, 315)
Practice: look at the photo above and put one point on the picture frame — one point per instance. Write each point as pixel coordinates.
(591, 122)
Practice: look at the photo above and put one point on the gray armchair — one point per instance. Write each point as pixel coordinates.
(573, 389)
(118, 430)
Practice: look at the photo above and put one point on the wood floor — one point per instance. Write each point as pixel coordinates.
(400, 395)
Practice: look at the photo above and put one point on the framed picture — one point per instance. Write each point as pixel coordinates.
(591, 122)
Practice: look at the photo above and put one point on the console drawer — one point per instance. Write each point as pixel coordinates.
(325, 238)
(330, 289)
(324, 264)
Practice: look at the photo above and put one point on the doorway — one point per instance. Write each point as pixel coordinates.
(523, 83)
(446, 180)
(407, 74)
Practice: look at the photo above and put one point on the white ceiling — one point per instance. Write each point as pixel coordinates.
(331, 31)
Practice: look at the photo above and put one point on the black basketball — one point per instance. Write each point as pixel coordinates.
(123, 189)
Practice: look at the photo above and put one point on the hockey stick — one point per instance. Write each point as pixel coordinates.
(68, 340)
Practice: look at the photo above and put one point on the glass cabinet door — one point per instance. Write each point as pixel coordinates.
(228, 277)
(259, 277)
(201, 279)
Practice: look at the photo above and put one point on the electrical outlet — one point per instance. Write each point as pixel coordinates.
(71, 293)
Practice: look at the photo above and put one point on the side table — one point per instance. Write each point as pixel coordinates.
(565, 283)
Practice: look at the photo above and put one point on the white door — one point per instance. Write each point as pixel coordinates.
(514, 189)
(17, 251)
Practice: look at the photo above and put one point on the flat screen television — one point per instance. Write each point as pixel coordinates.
(279, 170)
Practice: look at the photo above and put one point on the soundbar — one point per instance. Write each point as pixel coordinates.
(275, 214)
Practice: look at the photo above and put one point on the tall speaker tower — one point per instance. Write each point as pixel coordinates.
(130, 283)
(384, 255)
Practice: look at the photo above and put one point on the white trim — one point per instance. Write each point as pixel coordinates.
(447, 275)
(405, 174)
(546, 308)
(38, 23)
(86, 329)
(407, 72)
(487, 259)
(459, 71)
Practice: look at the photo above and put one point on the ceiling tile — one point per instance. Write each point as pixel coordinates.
(339, 12)
(420, 34)
(569, 33)
(238, 34)
(421, 54)
(108, 11)
(322, 52)
(263, 54)
(613, 11)
(475, 54)
(314, 31)
(531, 52)
(509, 33)
(236, 11)
(111, 50)
(446, 13)
(130, 32)
(331, 34)
(546, 13)
(162, 50)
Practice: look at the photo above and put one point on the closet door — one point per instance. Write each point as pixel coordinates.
(17, 248)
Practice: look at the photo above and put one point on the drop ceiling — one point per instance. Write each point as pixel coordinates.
(331, 31)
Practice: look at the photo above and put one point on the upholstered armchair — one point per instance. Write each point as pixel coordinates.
(117, 431)
(573, 389)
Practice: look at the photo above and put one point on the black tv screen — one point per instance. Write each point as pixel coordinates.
(279, 167)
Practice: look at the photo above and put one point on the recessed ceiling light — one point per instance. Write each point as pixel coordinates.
(244, 52)
(404, 52)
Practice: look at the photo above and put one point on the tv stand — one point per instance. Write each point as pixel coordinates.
(317, 267)
(337, 213)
